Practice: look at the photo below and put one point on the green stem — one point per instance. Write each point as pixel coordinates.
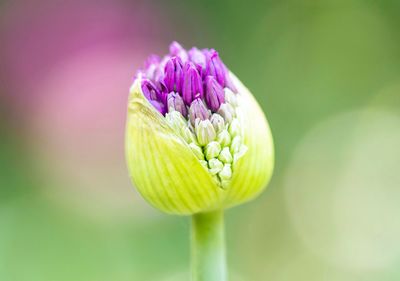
(208, 247)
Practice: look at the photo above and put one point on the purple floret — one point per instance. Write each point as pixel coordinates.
(214, 93)
(192, 84)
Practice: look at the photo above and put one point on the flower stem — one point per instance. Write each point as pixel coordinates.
(208, 247)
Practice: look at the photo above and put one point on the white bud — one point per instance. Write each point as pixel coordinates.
(226, 172)
(242, 151)
(205, 131)
(230, 97)
(215, 166)
(197, 150)
(227, 112)
(188, 135)
(224, 138)
(212, 150)
(225, 183)
(218, 122)
(235, 145)
(225, 156)
(234, 128)
(176, 120)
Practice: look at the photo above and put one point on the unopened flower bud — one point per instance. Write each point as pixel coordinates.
(176, 120)
(197, 150)
(242, 151)
(198, 110)
(225, 183)
(214, 93)
(215, 166)
(235, 145)
(173, 77)
(198, 58)
(210, 139)
(205, 132)
(230, 97)
(151, 66)
(175, 102)
(150, 90)
(151, 60)
(229, 84)
(224, 138)
(159, 106)
(212, 150)
(177, 50)
(215, 67)
(225, 156)
(227, 112)
(226, 172)
(192, 84)
(218, 122)
(188, 135)
(234, 128)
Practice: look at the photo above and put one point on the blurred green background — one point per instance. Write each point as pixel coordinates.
(327, 74)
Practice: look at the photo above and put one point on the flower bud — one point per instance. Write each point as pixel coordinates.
(188, 135)
(234, 128)
(192, 84)
(235, 145)
(176, 120)
(225, 156)
(226, 172)
(218, 122)
(215, 67)
(155, 96)
(188, 160)
(242, 151)
(198, 110)
(159, 106)
(215, 166)
(177, 50)
(214, 93)
(212, 150)
(151, 65)
(150, 90)
(205, 132)
(230, 97)
(198, 58)
(229, 84)
(224, 138)
(227, 112)
(173, 77)
(175, 102)
(225, 183)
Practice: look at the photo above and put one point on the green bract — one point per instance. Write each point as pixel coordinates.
(179, 174)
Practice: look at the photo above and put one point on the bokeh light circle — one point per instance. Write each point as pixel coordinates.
(342, 190)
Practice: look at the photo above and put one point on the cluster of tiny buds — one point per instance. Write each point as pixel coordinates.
(193, 90)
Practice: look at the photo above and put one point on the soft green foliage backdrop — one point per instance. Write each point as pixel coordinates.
(327, 74)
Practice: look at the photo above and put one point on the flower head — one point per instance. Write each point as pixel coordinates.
(196, 139)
